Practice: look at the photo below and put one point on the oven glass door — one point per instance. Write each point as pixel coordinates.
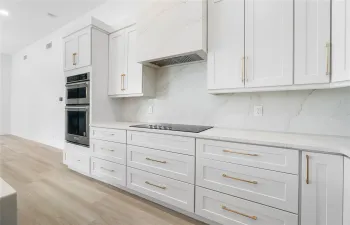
(78, 93)
(77, 124)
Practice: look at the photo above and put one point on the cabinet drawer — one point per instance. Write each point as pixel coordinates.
(78, 162)
(271, 188)
(270, 158)
(172, 165)
(178, 144)
(170, 191)
(110, 151)
(229, 210)
(108, 172)
(108, 134)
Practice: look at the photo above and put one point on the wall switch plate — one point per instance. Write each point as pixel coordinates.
(150, 109)
(258, 110)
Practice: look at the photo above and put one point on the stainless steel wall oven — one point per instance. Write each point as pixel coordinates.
(78, 109)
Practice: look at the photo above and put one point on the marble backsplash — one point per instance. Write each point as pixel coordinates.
(182, 97)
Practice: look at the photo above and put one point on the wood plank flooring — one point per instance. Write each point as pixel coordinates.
(51, 194)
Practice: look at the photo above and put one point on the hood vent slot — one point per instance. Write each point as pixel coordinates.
(177, 60)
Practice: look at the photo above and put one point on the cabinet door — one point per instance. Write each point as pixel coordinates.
(84, 48)
(346, 191)
(226, 44)
(269, 43)
(312, 41)
(340, 40)
(70, 50)
(322, 189)
(133, 74)
(116, 62)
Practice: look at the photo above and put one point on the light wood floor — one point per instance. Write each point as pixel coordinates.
(50, 194)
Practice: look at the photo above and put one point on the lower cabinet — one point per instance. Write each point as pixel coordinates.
(346, 191)
(164, 189)
(108, 172)
(229, 210)
(322, 189)
(77, 161)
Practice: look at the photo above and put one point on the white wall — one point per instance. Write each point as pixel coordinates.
(5, 108)
(38, 82)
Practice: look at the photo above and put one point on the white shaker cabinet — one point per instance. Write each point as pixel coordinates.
(77, 49)
(346, 191)
(226, 44)
(127, 78)
(340, 40)
(322, 189)
(312, 41)
(269, 43)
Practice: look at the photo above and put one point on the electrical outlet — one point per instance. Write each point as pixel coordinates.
(150, 109)
(258, 110)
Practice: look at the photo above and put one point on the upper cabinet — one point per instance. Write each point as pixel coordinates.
(77, 49)
(256, 45)
(312, 41)
(226, 44)
(322, 189)
(250, 44)
(127, 78)
(340, 40)
(269, 43)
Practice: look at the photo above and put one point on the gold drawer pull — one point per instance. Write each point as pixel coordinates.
(307, 169)
(243, 69)
(328, 52)
(158, 186)
(239, 153)
(74, 60)
(123, 82)
(242, 214)
(233, 178)
(110, 150)
(106, 169)
(153, 160)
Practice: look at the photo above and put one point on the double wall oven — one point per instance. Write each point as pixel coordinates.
(78, 109)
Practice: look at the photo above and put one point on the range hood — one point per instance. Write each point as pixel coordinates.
(172, 32)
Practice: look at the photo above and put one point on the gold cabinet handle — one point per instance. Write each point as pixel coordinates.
(154, 185)
(106, 169)
(110, 150)
(328, 52)
(307, 169)
(122, 82)
(239, 153)
(153, 160)
(243, 69)
(74, 62)
(234, 178)
(242, 214)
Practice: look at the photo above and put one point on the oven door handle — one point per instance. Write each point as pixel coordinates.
(85, 108)
(78, 84)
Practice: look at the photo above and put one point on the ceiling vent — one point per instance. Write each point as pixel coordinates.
(164, 41)
(51, 15)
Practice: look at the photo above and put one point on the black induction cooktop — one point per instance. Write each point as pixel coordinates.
(174, 127)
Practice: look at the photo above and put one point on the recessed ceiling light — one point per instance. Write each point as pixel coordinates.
(3, 12)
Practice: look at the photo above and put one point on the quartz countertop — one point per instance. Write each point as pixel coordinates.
(308, 142)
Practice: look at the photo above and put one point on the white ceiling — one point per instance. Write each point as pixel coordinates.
(28, 20)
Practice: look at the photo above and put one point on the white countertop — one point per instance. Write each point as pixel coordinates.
(317, 143)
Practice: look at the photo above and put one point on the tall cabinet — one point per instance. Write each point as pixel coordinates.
(127, 77)
(322, 189)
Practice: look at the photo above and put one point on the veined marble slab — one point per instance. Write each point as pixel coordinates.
(307, 142)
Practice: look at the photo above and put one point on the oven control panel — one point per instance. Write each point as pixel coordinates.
(78, 78)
